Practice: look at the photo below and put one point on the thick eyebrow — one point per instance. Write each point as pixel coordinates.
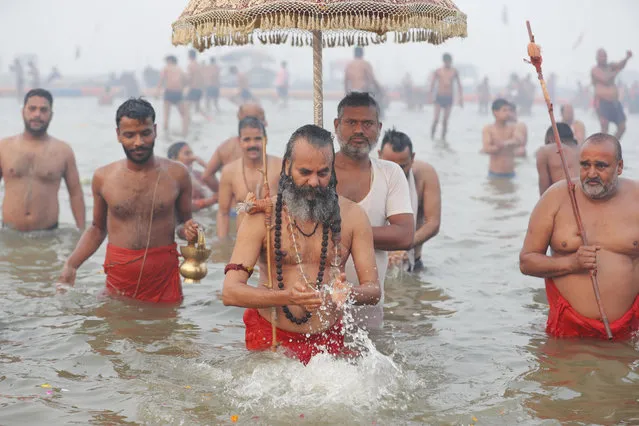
(324, 170)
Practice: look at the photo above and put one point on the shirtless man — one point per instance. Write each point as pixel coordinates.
(204, 193)
(610, 215)
(577, 127)
(499, 140)
(196, 83)
(425, 192)
(359, 75)
(230, 150)
(173, 80)
(137, 202)
(244, 174)
(33, 164)
(549, 164)
(609, 109)
(243, 93)
(212, 79)
(521, 132)
(378, 186)
(309, 312)
(483, 96)
(444, 77)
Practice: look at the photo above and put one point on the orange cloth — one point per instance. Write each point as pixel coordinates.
(564, 321)
(259, 338)
(160, 281)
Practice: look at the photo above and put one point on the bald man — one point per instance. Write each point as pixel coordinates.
(609, 207)
(577, 127)
(230, 150)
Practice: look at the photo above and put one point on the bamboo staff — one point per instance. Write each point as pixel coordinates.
(535, 59)
(268, 211)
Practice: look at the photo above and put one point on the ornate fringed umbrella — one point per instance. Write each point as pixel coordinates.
(319, 23)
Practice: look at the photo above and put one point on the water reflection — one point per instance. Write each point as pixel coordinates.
(582, 381)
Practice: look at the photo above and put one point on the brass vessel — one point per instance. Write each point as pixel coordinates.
(193, 268)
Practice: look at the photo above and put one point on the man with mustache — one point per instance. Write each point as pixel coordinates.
(313, 232)
(378, 186)
(230, 150)
(425, 192)
(138, 202)
(33, 164)
(245, 175)
(610, 214)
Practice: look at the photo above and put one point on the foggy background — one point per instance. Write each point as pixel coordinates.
(127, 35)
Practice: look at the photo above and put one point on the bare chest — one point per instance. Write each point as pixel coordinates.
(131, 198)
(42, 165)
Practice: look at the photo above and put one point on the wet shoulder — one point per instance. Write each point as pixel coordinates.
(232, 168)
(175, 169)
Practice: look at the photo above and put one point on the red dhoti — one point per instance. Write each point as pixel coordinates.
(564, 321)
(259, 338)
(160, 279)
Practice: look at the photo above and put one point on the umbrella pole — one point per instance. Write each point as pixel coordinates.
(535, 59)
(318, 95)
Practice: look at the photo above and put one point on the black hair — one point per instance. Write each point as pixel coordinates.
(499, 103)
(172, 59)
(447, 57)
(399, 141)
(605, 137)
(565, 135)
(192, 54)
(42, 93)
(357, 99)
(252, 123)
(174, 150)
(359, 52)
(135, 108)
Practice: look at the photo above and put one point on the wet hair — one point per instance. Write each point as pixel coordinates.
(135, 108)
(598, 138)
(357, 99)
(172, 59)
(42, 93)
(499, 103)
(174, 150)
(192, 54)
(565, 135)
(399, 141)
(251, 122)
(447, 58)
(358, 52)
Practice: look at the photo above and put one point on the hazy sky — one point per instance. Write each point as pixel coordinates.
(117, 35)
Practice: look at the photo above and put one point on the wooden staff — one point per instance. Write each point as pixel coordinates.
(535, 59)
(268, 211)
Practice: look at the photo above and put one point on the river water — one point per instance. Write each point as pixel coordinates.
(463, 342)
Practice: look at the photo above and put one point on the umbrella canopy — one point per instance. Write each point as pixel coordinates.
(206, 23)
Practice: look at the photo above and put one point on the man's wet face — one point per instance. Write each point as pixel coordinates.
(358, 130)
(599, 169)
(305, 186)
(137, 138)
(37, 115)
(503, 114)
(251, 140)
(185, 156)
(403, 159)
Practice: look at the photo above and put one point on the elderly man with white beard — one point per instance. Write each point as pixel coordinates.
(378, 186)
(309, 298)
(609, 210)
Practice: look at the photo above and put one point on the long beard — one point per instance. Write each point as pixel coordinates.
(306, 203)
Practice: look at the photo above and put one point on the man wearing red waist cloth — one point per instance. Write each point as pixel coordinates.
(609, 207)
(313, 233)
(137, 202)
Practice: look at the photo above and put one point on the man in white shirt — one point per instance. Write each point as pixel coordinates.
(378, 186)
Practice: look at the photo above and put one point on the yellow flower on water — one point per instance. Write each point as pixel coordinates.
(187, 387)
(234, 419)
(45, 385)
(474, 418)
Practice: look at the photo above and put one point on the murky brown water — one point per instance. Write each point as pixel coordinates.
(463, 343)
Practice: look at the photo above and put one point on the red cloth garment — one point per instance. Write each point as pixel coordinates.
(259, 338)
(160, 281)
(564, 321)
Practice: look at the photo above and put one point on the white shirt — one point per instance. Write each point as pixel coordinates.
(388, 196)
